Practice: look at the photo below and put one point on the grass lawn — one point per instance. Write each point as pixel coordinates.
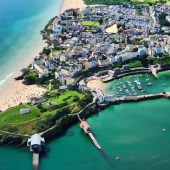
(135, 64)
(90, 23)
(57, 51)
(31, 73)
(13, 115)
(147, 1)
(31, 123)
(67, 96)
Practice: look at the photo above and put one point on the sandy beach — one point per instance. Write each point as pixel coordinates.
(96, 84)
(68, 4)
(14, 92)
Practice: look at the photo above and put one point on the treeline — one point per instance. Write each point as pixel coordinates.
(106, 2)
(162, 20)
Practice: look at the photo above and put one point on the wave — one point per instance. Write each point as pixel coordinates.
(5, 79)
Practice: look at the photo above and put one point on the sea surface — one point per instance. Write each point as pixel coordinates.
(20, 24)
(131, 131)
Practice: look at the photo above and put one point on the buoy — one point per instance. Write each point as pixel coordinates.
(117, 158)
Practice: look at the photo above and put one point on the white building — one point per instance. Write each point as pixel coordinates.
(24, 111)
(42, 70)
(167, 49)
(57, 75)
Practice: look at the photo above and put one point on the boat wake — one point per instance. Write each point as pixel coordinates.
(107, 159)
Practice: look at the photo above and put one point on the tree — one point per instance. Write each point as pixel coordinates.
(162, 20)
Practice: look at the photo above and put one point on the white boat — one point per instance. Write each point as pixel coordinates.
(165, 84)
(139, 87)
(149, 84)
(147, 79)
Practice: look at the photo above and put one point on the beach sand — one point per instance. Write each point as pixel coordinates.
(97, 84)
(68, 4)
(14, 92)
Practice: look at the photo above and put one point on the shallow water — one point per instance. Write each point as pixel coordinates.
(21, 22)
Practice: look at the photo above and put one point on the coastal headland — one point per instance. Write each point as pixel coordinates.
(53, 89)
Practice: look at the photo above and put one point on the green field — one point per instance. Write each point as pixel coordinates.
(13, 116)
(66, 97)
(90, 24)
(109, 2)
(41, 117)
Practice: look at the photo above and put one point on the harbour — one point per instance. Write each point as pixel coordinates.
(144, 142)
(134, 130)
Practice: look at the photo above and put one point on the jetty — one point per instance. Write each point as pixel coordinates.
(86, 128)
(154, 72)
(113, 99)
(35, 143)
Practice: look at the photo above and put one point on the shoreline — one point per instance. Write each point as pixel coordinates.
(68, 4)
(7, 84)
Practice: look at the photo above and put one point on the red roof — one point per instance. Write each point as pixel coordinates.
(85, 124)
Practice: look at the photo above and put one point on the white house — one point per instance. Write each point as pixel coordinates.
(24, 111)
(42, 70)
(167, 49)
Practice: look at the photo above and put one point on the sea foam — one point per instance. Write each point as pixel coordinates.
(5, 79)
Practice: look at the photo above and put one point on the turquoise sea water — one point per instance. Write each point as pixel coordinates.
(158, 84)
(20, 25)
(132, 131)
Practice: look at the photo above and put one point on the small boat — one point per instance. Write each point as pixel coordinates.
(135, 94)
(165, 84)
(143, 91)
(149, 84)
(117, 158)
(147, 79)
(138, 83)
(139, 87)
(163, 129)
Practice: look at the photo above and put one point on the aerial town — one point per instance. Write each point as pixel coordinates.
(98, 38)
(81, 43)
(102, 43)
